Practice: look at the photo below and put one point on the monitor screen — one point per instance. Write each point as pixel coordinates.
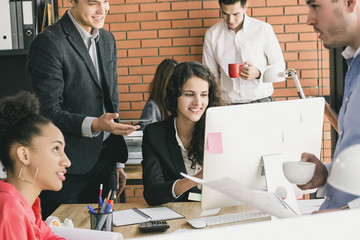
(237, 136)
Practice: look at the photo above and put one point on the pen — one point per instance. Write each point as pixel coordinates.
(91, 209)
(100, 197)
(114, 196)
(112, 200)
(109, 195)
(108, 208)
(103, 206)
(141, 213)
(100, 203)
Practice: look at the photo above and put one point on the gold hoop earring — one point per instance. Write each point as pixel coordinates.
(22, 178)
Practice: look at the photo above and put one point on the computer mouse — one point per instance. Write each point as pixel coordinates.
(196, 223)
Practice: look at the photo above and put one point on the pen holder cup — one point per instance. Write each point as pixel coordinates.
(101, 221)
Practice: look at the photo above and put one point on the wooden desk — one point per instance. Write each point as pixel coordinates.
(78, 213)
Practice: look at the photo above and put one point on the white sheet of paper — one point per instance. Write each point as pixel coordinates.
(80, 234)
(261, 200)
(128, 217)
(276, 181)
(310, 205)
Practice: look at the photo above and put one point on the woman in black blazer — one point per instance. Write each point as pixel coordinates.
(176, 144)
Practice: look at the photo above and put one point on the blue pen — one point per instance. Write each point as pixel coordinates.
(103, 207)
(100, 201)
(108, 208)
(91, 209)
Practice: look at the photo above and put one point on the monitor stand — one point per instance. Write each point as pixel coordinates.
(276, 181)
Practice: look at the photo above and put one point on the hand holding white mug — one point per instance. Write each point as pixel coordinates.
(320, 175)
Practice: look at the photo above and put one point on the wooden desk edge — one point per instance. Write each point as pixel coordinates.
(80, 216)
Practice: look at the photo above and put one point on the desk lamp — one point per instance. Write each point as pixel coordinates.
(275, 74)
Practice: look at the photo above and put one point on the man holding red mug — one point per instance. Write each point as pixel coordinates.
(246, 47)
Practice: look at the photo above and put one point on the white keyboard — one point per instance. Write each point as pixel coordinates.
(227, 218)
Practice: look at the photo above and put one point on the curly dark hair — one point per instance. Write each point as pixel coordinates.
(181, 74)
(20, 122)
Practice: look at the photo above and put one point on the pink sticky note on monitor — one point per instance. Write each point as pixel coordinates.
(214, 143)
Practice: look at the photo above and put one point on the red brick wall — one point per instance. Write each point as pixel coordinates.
(134, 193)
(147, 31)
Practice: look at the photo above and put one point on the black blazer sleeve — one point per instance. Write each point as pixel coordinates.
(162, 163)
(157, 190)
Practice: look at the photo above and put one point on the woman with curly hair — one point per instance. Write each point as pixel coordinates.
(176, 144)
(32, 152)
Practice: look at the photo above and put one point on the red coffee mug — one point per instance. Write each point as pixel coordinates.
(234, 70)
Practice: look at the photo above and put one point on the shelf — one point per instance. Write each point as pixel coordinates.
(12, 52)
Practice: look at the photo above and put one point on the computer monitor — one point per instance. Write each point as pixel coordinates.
(238, 136)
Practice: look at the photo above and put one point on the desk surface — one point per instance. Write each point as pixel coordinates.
(78, 213)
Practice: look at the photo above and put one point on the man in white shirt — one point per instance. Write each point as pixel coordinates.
(239, 38)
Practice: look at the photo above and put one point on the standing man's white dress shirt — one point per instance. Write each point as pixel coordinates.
(252, 42)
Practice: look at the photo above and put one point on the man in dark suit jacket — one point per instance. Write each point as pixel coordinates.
(73, 68)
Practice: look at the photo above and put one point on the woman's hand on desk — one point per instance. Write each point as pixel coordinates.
(320, 175)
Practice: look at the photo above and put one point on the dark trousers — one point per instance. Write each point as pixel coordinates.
(81, 188)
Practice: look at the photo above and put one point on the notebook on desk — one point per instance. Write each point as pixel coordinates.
(134, 216)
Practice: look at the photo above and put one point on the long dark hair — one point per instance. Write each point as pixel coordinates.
(20, 122)
(181, 74)
(159, 83)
